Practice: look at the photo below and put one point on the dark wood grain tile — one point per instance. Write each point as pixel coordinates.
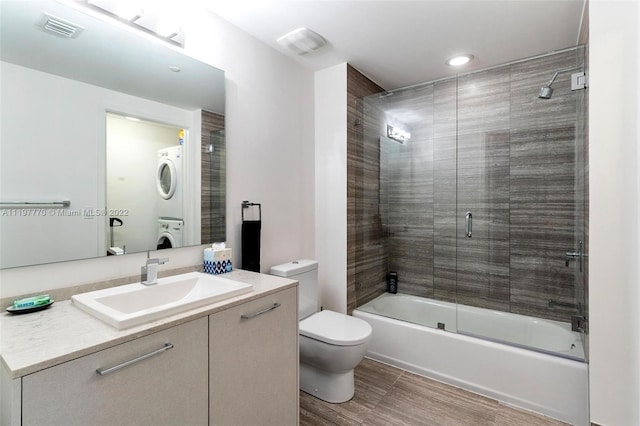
(527, 77)
(416, 400)
(385, 395)
(213, 178)
(372, 382)
(445, 104)
(314, 412)
(483, 101)
(543, 166)
(509, 416)
(540, 236)
(482, 142)
(363, 164)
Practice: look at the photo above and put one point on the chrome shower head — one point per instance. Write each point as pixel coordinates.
(545, 92)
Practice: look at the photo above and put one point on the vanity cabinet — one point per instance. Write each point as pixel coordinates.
(236, 366)
(253, 363)
(159, 379)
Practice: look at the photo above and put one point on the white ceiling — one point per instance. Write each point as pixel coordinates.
(401, 43)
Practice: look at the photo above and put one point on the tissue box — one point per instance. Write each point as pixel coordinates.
(217, 266)
(223, 254)
(217, 261)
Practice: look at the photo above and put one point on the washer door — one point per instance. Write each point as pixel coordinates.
(165, 241)
(166, 179)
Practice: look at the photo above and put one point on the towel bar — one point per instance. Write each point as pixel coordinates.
(63, 203)
(247, 204)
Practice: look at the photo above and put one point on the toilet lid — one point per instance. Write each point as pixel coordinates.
(335, 328)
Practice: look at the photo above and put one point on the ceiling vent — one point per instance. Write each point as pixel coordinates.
(302, 41)
(59, 27)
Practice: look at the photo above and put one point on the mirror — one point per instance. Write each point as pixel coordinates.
(61, 198)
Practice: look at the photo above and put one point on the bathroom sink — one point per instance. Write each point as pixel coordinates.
(134, 304)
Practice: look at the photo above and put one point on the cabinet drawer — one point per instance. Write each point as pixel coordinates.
(152, 384)
(254, 362)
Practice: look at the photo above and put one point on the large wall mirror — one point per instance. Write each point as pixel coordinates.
(111, 141)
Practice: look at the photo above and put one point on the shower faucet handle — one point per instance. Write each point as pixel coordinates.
(468, 224)
(573, 254)
(570, 256)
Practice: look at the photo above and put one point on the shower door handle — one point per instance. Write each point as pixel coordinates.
(468, 224)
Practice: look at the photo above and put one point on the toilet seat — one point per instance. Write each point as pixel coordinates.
(335, 328)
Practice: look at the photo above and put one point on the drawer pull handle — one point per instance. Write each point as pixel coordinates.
(264, 311)
(105, 371)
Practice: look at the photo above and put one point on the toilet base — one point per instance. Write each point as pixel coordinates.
(330, 387)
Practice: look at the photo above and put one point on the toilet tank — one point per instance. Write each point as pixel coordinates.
(306, 273)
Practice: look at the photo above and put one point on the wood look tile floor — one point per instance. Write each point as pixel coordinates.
(386, 396)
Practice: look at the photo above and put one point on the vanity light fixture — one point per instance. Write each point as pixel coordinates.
(136, 14)
(302, 41)
(128, 11)
(458, 60)
(158, 22)
(397, 134)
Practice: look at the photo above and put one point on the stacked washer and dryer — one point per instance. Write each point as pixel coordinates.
(169, 205)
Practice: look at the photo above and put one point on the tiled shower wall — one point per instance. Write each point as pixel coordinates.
(366, 255)
(582, 230)
(213, 175)
(482, 143)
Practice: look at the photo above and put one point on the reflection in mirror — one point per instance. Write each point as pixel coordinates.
(214, 181)
(144, 180)
(58, 96)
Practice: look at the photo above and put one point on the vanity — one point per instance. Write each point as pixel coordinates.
(230, 362)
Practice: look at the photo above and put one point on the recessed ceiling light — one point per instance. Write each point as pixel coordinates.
(458, 60)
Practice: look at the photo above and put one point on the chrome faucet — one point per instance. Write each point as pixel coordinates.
(149, 272)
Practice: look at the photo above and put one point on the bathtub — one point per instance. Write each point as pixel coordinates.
(553, 385)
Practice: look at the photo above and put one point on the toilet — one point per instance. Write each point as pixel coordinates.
(331, 344)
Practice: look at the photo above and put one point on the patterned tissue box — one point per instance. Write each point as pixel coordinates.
(217, 261)
(217, 266)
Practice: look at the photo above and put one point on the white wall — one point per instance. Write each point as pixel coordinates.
(270, 159)
(331, 185)
(270, 139)
(33, 167)
(614, 297)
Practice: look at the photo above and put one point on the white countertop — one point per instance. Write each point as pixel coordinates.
(38, 340)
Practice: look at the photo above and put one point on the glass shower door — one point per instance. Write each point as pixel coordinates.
(483, 201)
(518, 206)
